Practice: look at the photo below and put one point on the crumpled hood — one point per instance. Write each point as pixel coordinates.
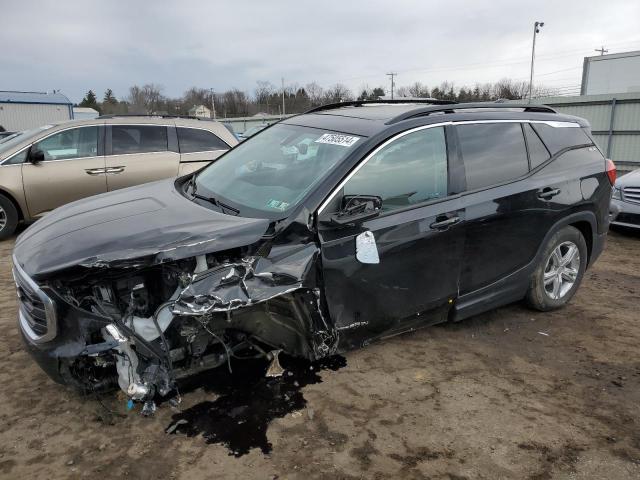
(137, 226)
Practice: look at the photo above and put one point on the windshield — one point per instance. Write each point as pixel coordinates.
(16, 139)
(273, 171)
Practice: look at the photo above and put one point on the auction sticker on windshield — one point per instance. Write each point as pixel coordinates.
(277, 205)
(338, 139)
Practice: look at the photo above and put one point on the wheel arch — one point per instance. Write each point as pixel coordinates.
(585, 222)
(586, 229)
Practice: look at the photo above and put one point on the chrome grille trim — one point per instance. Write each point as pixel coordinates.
(631, 194)
(31, 309)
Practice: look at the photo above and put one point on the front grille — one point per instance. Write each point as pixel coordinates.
(36, 310)
(630, 218)
(33, 309)
(631, 194)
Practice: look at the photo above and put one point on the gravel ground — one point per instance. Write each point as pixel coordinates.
(508, 394)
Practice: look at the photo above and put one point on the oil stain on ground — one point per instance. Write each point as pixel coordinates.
(247, 402)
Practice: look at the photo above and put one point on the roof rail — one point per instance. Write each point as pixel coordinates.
(359, 103)
(428, 110)
(153, 115)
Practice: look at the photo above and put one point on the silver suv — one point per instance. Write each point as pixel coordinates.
(49, 166)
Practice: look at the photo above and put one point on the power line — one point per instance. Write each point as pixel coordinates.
(499, 63)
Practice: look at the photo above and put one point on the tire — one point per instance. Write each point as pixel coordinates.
(8, 218)
(559, 273)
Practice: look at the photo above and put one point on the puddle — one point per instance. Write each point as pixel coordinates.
(247, 402)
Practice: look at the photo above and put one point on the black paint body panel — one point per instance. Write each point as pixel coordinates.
(425, 275)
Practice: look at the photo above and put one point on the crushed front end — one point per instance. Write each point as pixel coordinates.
(143, 325)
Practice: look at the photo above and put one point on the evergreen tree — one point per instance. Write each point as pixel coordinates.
(110, 103)
(89, 101)
(109, 98)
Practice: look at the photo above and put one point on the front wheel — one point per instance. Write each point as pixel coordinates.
(560, 271)
(8, 218)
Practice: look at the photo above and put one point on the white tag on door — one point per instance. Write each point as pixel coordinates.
(366, 248)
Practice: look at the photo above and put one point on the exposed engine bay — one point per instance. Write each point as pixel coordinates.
(170, 320)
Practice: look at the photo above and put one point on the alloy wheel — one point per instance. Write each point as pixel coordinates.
(561, 270)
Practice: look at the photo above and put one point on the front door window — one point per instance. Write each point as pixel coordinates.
(73, 143)
(408, 171)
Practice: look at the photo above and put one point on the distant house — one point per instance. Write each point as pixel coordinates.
(85, 113)
(25, 110)
(200, 111)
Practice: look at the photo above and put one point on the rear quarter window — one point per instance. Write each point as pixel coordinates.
(559, 138)
(538, 153)
(196, 140)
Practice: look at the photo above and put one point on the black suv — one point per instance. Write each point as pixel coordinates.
(320, 234)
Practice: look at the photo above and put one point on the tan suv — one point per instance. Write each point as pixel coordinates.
(49, 166)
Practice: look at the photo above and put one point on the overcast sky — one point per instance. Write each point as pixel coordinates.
(75, 45)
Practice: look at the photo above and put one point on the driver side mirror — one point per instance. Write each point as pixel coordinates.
(36, 155)
(356, 209)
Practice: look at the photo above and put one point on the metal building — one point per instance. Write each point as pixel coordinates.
(615, 73)
(25, 110)
(85, 113)
(614, 119)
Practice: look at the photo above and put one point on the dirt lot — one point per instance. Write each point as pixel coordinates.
(509, 394)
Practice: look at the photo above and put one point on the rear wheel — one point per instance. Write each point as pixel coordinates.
(8, 217)
(560, 271)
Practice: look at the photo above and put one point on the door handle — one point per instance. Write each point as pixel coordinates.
(442, 222)
(548, 193)
(114, 170)
(95, 171)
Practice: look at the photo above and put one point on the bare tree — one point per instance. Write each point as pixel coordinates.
(402, 92)
(268, 98)
(197, 96)
(146, 99)
(264, 91)
(418, 90)
(315, 93)
(153, 95)
(338, 93)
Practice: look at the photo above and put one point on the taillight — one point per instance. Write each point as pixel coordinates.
(611, 171)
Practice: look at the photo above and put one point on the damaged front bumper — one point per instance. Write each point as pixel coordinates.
(93, 336)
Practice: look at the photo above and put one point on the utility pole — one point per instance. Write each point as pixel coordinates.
(392, 75)
(601, 50)
(213, 103)
(536, 30)
(283, 96)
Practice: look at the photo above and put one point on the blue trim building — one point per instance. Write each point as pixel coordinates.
(25, 110)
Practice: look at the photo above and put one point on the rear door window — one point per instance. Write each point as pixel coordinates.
(196, 140)
(408, 171)
(138, 139)
(538, 153)
(493, 153)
